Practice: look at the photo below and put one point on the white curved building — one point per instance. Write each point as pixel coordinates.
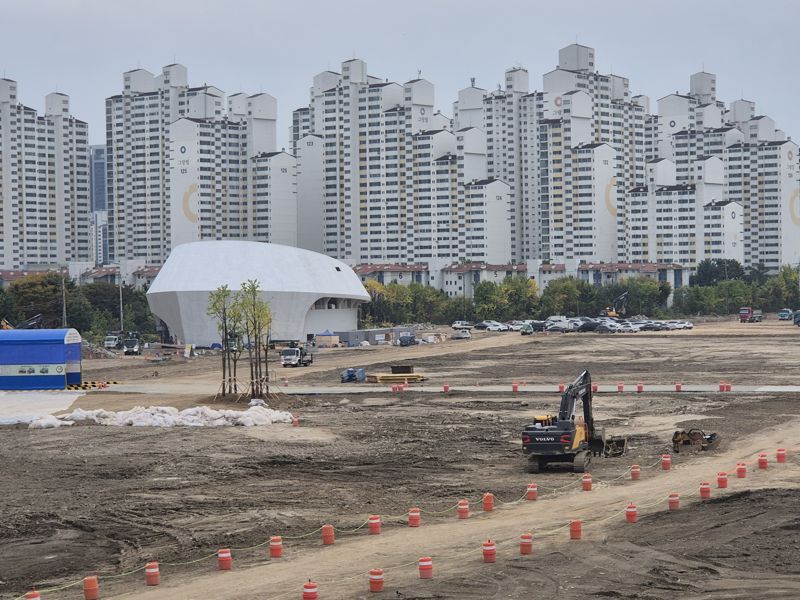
(307, 292)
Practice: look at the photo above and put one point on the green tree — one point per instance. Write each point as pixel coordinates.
(712, 271)
(222, 307)
(568, 296)
(522, 297)
(8, 310)
(256, 322)
(490, 301)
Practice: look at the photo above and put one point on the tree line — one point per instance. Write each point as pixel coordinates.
(92, 309)
(720, 287)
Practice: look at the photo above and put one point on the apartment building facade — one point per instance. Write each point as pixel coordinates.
(44, 183)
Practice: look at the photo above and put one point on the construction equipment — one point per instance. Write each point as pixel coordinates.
(567, 437)
(619, 307)
(33, 323)
(353, 375)
(694, 439)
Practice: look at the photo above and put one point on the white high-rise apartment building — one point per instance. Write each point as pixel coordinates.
(44, 183)
(227, 181)
(137, 158)
(676, 222)
(391, 179)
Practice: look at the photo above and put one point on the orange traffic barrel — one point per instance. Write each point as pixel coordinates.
(741, 470)
(425, 565)
(489, 551)
(295, 421)
(224, 559)
(488, 502)
(586, 482)
(446, 388)
(463, 509)
(376, 580)
(374, 524)
(678, 386)
(152, 576)
(705, 490)
(620, 387)
(674, 501)
(594, 388)
(728, 386)
(666, 462)
(33, 595)
(722, 480)
(640, 387)
(526, 543)
(561, 387)
(514, 387)
(91, 588)
(636, 472)
(414, 517)
(762, 461)
(631, 513)
(575, 529)
(328, 535)
(721, 386)
(310, 591)
(533, 491)
(275, 546)
(780, 455)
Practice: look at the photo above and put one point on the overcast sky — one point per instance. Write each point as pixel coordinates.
(82, 47)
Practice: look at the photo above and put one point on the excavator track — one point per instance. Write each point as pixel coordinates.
(581, 462)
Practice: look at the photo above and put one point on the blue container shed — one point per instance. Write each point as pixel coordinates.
(39, 359)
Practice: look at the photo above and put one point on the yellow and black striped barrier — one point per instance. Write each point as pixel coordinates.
(91, 385)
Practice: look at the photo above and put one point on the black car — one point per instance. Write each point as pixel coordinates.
(605, 328)
(481, 325)
(587, 326)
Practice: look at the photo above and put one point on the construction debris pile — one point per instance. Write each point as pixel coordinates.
(167, 416)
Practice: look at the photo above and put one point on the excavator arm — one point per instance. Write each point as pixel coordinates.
(581, 390)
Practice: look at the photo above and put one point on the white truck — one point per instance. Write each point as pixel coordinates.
(296, 357)
(111, 342)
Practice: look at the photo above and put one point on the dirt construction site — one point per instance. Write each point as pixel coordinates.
(102, 500)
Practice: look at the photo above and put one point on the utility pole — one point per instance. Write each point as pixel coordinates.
(121, 320)
(63, 302)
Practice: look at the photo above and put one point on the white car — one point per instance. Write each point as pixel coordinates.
(515, 325)
(461, 325)
(496, 326)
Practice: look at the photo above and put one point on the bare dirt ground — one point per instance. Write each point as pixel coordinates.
(92, 499)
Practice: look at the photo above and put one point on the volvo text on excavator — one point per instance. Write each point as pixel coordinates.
(567, 437)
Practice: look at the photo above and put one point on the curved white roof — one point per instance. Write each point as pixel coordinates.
(205, 266)
(307, 292)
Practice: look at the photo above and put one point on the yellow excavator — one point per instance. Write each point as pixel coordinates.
(619, 309)
(568, 437)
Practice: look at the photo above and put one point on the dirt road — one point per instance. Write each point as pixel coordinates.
(456, 546)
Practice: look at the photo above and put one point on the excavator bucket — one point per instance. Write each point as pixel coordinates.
(615, 446)
(694, 439)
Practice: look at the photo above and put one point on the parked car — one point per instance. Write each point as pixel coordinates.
(462, 334)
(482, 325)
(607, 327)
(562, 327)
(515, 325)
(587, 326)
(785, 314)
(462, 325)
(496, 326)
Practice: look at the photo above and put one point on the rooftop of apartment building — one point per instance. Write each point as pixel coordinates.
(368, 269)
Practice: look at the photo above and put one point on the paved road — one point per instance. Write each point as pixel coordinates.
(350, 389)
(24, 407)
